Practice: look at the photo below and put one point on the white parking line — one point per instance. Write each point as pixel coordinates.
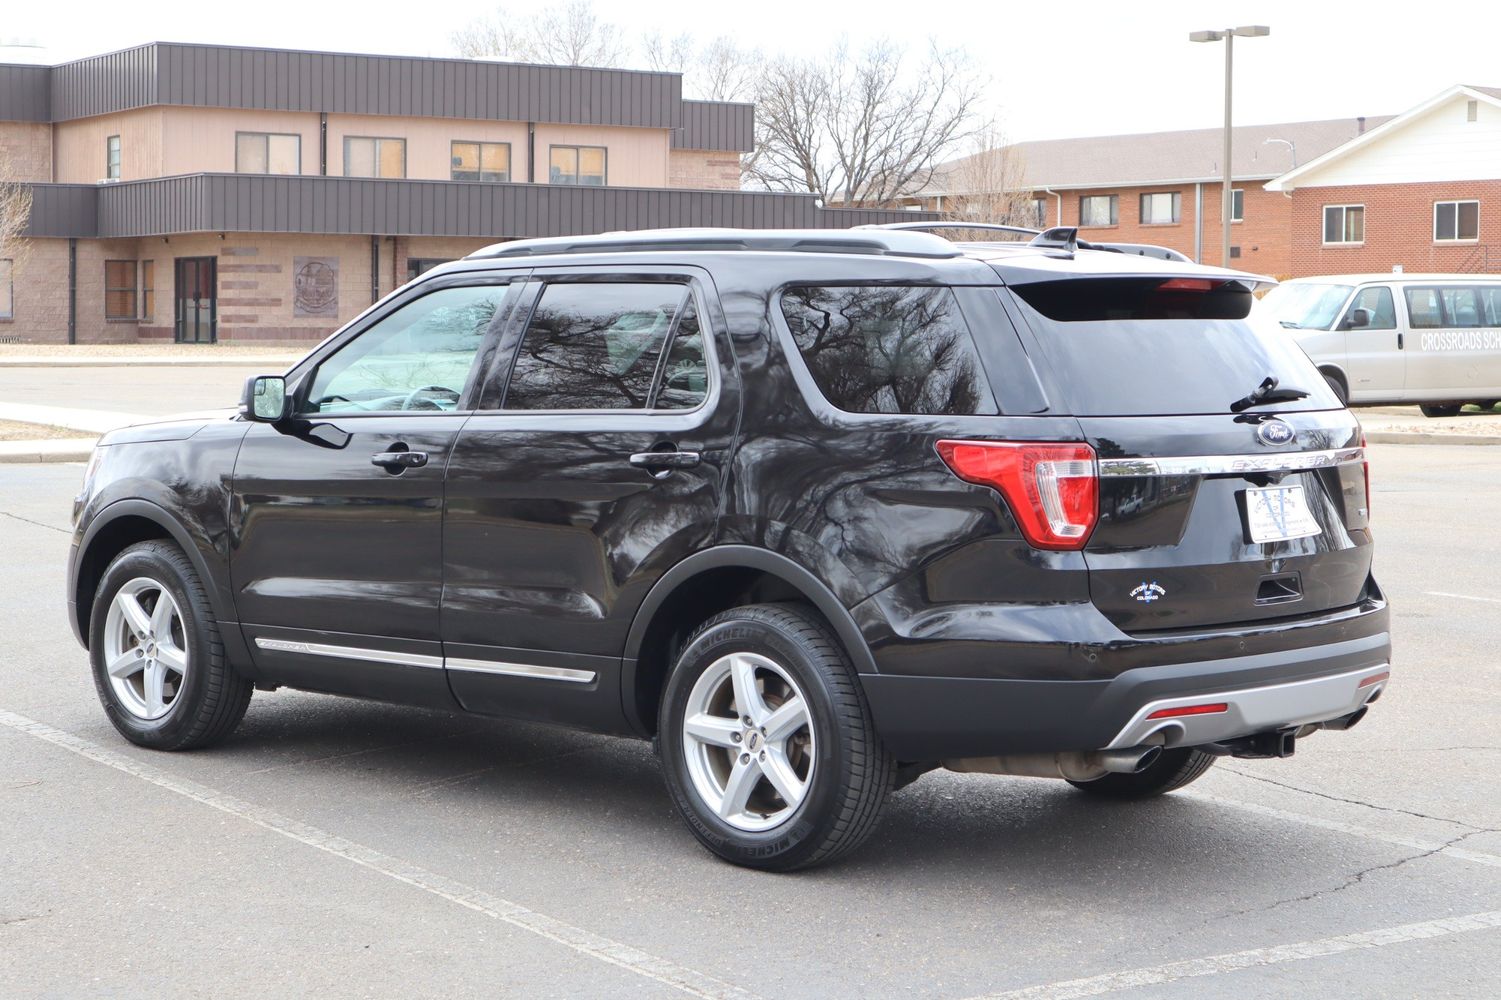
(1463, 597)
(585, 942)
(1215, 965)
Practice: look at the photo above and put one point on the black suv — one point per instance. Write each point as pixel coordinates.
(814, 511)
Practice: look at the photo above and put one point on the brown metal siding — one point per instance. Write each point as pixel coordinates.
(63, 210)
(716, 125)
(24, 95)
(102, 84)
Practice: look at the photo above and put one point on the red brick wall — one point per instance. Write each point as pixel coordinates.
(1264, 236)
(1398, 228)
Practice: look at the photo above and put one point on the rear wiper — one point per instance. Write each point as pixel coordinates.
(1267, 392)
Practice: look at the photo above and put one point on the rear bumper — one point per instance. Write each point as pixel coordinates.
(935, 718)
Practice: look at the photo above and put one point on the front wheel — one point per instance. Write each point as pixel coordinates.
(1171, 770)
(766, 741)
(158, 660)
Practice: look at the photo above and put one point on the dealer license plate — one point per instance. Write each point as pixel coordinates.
(1278, 513)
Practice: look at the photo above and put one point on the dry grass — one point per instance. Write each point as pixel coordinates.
(148, 350)
(11, 430)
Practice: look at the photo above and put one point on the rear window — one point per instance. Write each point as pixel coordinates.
(888, 348)
(1155, 346)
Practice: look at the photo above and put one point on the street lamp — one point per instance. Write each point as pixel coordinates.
(1227, 35)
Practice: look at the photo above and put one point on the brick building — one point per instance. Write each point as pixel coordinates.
(1421, 192)
(204, 193)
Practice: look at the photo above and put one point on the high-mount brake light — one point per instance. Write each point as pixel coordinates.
(1186, 285)
(1053, 490)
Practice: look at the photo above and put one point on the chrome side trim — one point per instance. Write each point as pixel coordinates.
(350, 653)
(521, 670)
(1253, 710)
(1230, 465)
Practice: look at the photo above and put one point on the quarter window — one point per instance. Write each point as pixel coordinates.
(610, 346)
(120, 289)
(112, 158)
(1456, 220)
(416, 359)
(888, 349)
(577, 165)
(480, 161)
(7, 289)
(267, 153)
(373, 157)
(1344, 223)
(1098, 210)
(1160, 208)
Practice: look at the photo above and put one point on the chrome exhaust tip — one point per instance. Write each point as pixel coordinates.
(1132, 760)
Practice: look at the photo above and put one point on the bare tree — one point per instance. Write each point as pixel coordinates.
(15, 211)
(989, 184)
(569, 34)
(861, 128)
(716, 70)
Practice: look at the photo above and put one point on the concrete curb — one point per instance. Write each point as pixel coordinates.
(1415, 437)
(53, 450)
(270, 363)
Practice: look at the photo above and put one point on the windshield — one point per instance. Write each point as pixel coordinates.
(1304, 306)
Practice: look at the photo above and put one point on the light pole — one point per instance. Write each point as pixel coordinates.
(1227, 35)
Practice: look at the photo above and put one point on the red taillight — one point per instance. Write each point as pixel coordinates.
(1373, 679)
(1174, 713)
(1053, 490)
(1365, 467)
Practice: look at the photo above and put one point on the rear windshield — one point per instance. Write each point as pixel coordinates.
(1155, 346)
(1306, 306)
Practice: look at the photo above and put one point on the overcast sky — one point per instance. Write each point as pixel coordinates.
(1063, 69)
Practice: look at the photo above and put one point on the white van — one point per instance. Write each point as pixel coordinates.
(1432, 339)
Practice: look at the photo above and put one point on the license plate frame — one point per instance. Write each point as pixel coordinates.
(1278, 514)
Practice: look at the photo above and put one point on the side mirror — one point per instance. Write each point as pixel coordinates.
(264, 399)
(1357, 319)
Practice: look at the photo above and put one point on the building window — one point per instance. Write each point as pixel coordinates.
(577, 165)
(481, 161)
(148, 289)
(120, 289)
(1040, 213)
(1344, 223)
(7, 289)
(1237, 205)
(1472, 111)
(372, 157)
(1098, 210)
(1160, 208)
(112, 158)
(267, 153)
(418, 266)
(1456, 221)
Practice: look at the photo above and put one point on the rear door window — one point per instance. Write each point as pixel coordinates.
(1162, 346)
(888, 348)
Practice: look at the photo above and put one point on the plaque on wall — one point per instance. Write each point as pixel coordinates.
(315, 286)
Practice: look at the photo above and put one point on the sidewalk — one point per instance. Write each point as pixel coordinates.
(1407, 425)
(95, 422)
(272, 359)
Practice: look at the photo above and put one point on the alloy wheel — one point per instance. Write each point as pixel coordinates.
(145, 649)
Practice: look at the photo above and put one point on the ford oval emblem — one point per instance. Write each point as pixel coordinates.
(1275, 432)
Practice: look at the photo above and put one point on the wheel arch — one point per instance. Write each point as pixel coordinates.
(705, 584)
(1337, 373)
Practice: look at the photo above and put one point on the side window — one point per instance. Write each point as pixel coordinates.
(1461, 306)
(599, 345)
(416, 359)
(1423, 310)
(1490, 297)
(1378, 302)
(888, 349)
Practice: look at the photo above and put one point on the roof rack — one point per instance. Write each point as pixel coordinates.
(1064, 239)
(862, 241)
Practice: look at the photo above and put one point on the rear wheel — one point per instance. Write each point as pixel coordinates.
(1171, 770)
(766, 741)
(1337, 384)
(158, 661)
(1440, 409)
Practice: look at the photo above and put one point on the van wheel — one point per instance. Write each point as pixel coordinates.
(1487, 405)
(1337, 386)
(1171, 770)
(157, 657)
(1440, 409)
(767, 743)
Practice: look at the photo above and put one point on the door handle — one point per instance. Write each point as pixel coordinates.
(1399, 341)
(395, 461)
(665, 460)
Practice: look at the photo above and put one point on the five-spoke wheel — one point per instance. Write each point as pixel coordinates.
(145, 651)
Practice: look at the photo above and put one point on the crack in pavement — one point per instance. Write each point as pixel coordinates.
(24, 918)
(1359, 802)
(39, 524)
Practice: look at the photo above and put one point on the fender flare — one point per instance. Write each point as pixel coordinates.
(737, 557)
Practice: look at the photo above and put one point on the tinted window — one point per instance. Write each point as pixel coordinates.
(888, 349)
(597, 346)
(1378, 302)
(1158, 347)
(417, 358)
(1423, 310)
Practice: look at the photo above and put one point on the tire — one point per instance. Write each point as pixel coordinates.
(828, 758)
(1440, 409)
(1170, 771)
(1337, 385)
(197, 699)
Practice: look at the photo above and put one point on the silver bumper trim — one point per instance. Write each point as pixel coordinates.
(1231, 465)
(1253, 710)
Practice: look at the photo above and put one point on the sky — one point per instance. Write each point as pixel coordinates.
(1098, 68)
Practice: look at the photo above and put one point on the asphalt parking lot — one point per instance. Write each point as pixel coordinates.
(346, 849)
